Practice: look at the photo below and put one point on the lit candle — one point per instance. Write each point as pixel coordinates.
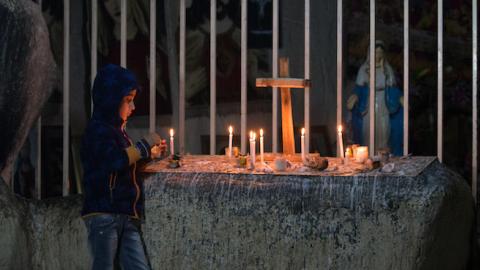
(303, 144)
(172, 150)
(261, 145)
(252, 148)
(230, 139)
(361, 154)
(340, 141)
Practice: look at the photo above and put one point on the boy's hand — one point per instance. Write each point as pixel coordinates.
(153, 139)
(159, 151)
(146, 144)
(163, 147)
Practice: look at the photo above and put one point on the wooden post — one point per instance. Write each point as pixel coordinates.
(287, 119)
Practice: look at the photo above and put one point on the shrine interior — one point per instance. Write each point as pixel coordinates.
(285, 135)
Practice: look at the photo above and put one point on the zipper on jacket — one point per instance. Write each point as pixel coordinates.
(137, 197)
(112, 183)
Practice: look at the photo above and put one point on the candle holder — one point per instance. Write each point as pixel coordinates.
(314, 161)
(174, 162)
(235, 151)
(361, 154)
(281, 164)
(242, 161)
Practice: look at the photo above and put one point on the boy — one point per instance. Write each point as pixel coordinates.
(113, 202)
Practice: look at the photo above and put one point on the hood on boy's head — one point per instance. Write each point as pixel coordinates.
(111, 84)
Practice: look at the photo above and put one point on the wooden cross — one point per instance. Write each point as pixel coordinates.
(285, 84)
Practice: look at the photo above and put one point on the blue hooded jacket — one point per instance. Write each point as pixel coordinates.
(109, 174)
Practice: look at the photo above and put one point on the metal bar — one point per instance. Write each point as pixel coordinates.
(123, 34)
(213, 73)
(153, 65)
(66, 95)
(38, 171)
(339, 66)
(406, 65)
(243, 109)
(474, 99)
(171, 25)
(307, 76)
(181, 96)
(440, 82)
(93, 49)
(275, 75)
(372, 78)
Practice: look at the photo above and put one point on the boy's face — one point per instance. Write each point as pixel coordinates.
(127, 106)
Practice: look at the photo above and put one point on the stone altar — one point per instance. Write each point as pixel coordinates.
(208, 214)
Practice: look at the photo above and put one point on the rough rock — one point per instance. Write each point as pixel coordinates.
(46, 234)
(26, 68)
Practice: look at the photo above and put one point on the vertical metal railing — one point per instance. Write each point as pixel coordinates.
(406, 52)
(38, 162)
(243, 105)
(213, 73)
(339, 67)
(474, 99)
(307, 76)
(153, 65)
(181, 96)
(93, 49)
(66, 96)
(440, 81)
(123, 33)
(275, 45)
(371, 110)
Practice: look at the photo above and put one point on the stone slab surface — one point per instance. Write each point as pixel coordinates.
(197, 218)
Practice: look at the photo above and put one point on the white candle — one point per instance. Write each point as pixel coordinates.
(303, 144)
(230, 139)
(261, 145)
(172, 149)
(252, 147)
(340, 141)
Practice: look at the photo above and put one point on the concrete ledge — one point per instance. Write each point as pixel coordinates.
(241, 221)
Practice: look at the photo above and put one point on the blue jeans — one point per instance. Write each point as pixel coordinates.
(112, 236)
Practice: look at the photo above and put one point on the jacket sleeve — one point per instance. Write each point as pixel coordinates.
(109, 155)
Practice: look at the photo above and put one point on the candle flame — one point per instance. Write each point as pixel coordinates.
(171, 132)
(303, 131)
(230, 129)
(254, 135)
(261, 132)
(340, 128)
